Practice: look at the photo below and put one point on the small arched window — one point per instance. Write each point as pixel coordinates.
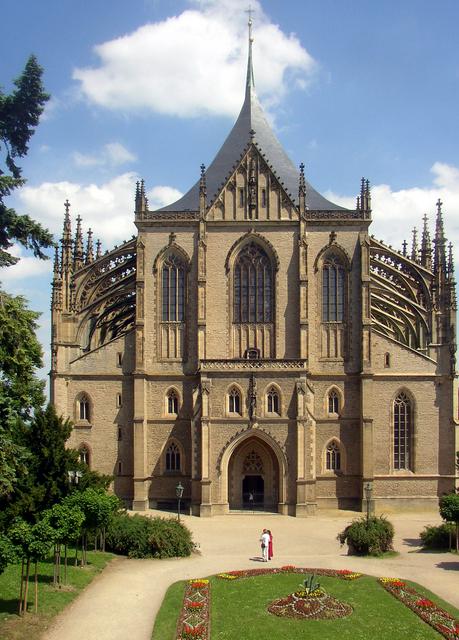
(272, 400)
(172, 457)
(234, 401)
(403, 427)
(333, 289)
(387, 359)
(84, 408)
(333, 402)
(253, 286)
(333, 457)
(83, 455)
(172, 403)
(173, 290)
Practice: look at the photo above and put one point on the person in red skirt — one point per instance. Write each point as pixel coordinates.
(270, 545)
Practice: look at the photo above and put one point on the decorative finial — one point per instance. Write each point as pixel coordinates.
(414, 246)
(404, 247)
(250, 82)
(98, 249)
(67, 207)
(89, 248)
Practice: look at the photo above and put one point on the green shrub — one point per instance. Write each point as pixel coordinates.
(372, 537)
(141, 537)
(438, 537)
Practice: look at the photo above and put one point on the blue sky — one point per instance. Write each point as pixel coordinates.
(150, 88)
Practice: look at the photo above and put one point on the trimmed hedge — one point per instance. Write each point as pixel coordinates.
(441, 537)
(141, 537)
(372, 537)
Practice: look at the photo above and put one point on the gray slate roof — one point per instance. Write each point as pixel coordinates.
(251, 126)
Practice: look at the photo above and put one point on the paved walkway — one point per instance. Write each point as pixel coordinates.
(123, 601)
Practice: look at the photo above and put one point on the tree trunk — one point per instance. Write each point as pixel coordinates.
(103, 539)
(457, 537)
(36, 587)
(65, 564)
(26, 590)
(76, 553)
(22, 587)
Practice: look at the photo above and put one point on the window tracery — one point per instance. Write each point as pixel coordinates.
(234, 401)
(333, 289)
(173, 458)
(172, 403)
(272, 400)
(252, 463)
(173, 290)
(333, 457)
(84, 409)
(333, 401)
(403, 427)
(253, 286)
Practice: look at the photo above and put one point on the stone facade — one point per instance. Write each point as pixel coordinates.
(259, 347)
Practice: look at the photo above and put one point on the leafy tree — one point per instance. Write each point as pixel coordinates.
(21, 393)
(98, 507)
(19, 115)
(33, 543)
(67, 522)
(8, 552)
(449, 511)
(46, 482)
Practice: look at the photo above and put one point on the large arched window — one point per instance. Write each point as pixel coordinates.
(173, 290)
(333, 289)
(253, 297)
(403, 428)
(333, 457)
(172, 457)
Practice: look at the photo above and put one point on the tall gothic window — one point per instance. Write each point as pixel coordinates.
(83, 408)
(172, 458)
(333, 285)
(403, 427)
(253, 286)
(333, 402)
(273, 401)
(333, 457)
(173, 290)
(234, 401)
(172, 403)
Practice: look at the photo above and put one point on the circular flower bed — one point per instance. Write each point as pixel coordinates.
(317, 605)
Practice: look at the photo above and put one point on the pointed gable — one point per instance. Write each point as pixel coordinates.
(251, 127)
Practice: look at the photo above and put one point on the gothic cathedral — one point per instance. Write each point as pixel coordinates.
(256, 345)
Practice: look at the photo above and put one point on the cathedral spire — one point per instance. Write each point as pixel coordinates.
(414, 246)
(426, 246)
(66, 241)
(89, 248)
(302, 190)
(78, 253)
(141, 202)
(440, 243)
(56, 299)
(250, 81)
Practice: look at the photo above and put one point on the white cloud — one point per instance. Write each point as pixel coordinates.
(161, 196)
(112, 154)
(107, 208)
(27, 267)
(395, 213)
(194, 63)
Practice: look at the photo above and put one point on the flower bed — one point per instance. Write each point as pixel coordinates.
(427, 610)
(194, 620)
(345, 574)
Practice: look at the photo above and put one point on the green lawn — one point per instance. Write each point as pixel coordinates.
(239, 611)
(50, 600)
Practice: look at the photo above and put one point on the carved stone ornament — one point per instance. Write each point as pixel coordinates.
(206, 386)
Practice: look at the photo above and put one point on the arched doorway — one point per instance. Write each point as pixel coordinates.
(253, 477)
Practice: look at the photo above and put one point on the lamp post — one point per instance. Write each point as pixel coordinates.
(179, 494)
(74, 477)
(368, 489)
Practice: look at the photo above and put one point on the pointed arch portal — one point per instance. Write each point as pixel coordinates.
(253, 475)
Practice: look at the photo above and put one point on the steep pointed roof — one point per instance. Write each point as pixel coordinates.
(251, 126)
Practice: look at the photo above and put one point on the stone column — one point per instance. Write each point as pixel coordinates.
(206, 483)
(306, 442)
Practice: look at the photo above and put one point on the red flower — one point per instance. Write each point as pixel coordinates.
(425, 603)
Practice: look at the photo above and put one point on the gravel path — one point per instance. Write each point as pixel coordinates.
(121, 603)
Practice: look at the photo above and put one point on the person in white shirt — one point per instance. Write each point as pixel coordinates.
(264, 545)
